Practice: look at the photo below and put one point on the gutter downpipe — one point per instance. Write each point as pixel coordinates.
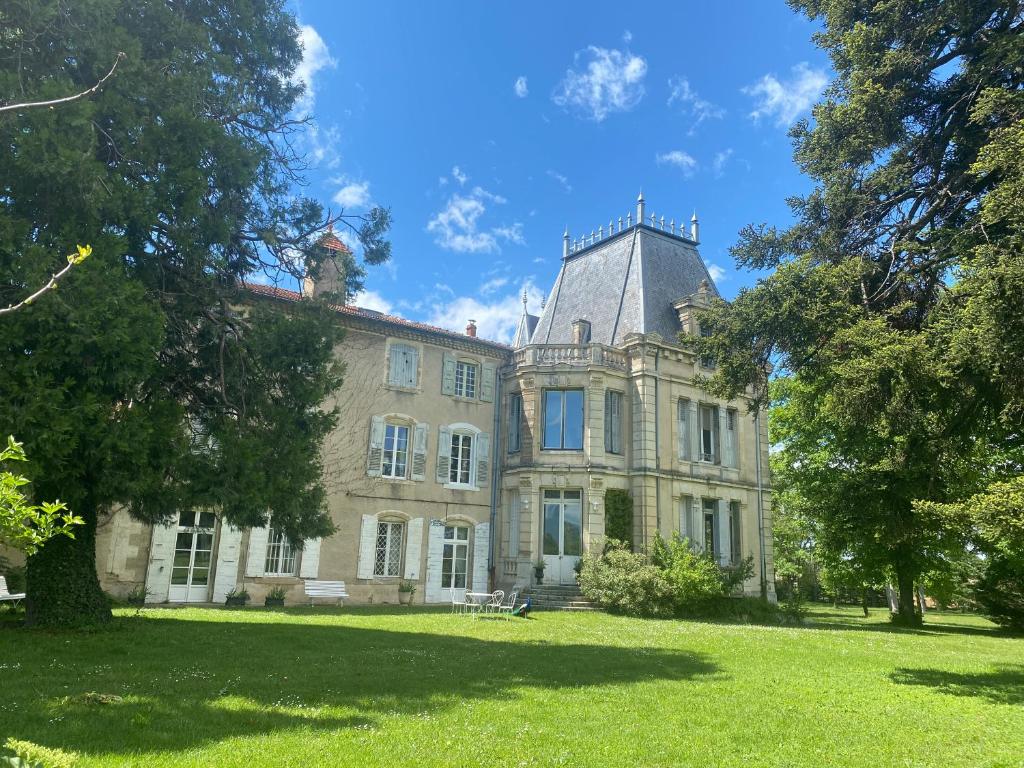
(495, 473)
(760, 509)
(657, 447)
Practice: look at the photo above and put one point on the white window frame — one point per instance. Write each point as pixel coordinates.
(279, 553)
(393, 534)
(455, 542)
(515, 422)
(396, 426)
(460, 436)
(613, 422)
(564, 391)
(714, 456)
(467, 386)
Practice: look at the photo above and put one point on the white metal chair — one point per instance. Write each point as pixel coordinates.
(509, 606)
(7, 597)
(492, 605)
(458, 605)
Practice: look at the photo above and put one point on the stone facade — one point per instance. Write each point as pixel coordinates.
(459, 463)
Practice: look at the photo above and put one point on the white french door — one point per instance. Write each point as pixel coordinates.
(455, 562)
(562, 542)
(193, 558)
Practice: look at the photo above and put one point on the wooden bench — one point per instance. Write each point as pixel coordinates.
(6, 596)
(335, 589)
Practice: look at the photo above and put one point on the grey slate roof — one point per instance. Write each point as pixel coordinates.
(527, 324)
(624, 284)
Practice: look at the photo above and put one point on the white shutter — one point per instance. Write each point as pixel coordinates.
(228, 552)
(487, 383)
(694, 429)
(309, 560)
(448, 375)
(257, 559)
(444, 453)
(376, 452)
(367, 547)
(435, 552)
(483, 459)
(683, 429)
(395, 365)
(697, 516)
(722, 532)
(481, 546)
(731, 425)
(684, 517)
(412, 366)
(161, 555)
(513, 523)
(720, 441)
(419, 451)
(413, 548)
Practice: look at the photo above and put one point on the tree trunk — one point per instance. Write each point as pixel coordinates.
(905, 584)
(864, 601)
(62, 586)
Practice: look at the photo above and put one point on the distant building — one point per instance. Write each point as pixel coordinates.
(460, 462)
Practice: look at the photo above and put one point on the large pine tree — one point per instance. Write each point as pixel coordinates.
(149, 379)
(894, 308)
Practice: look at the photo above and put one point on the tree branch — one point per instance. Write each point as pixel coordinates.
(73, 260)
(65, 99)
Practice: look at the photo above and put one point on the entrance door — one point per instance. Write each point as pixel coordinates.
(563, 535)
(455, 562)
(193, 553)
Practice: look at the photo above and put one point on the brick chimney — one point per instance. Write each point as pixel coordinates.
(471, 328)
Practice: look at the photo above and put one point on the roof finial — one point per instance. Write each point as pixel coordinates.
(694, 228)
(565, 242)
(640, 208)
(524, 298)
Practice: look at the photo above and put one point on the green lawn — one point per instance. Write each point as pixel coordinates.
(390, 686)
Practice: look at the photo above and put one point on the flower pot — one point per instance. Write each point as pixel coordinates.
(136, 602)
(236, 601)
(273, 602)
(405, 598)
(539, 575)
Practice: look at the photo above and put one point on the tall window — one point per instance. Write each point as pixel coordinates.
(396, 451)
(515, 416)
(465, 379)
(455, 557)
(706, 361)
(710, 508)
(563, 419)
(460, 469)
(709, 433)
(735, 543)
(613, 421)
(403, 365)
(683, 429)
(729, 457)
(387, 559)
(280, 555)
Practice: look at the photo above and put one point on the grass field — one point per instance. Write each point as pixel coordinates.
(390, 686)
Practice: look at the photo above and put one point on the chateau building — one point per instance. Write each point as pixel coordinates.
(459, 462)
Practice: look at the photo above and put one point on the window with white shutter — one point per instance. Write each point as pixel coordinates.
(683, 438)
(515, 416)
(403, 366)
(387, 559)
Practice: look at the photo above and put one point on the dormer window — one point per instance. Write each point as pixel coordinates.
(580, 331)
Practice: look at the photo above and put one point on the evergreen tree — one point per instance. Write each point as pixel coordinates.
(895, 299)
(150, 379)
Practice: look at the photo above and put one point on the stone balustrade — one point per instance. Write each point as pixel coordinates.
(574, 355)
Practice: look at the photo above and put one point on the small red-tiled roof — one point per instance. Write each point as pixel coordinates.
(330, 241)
(286, 295)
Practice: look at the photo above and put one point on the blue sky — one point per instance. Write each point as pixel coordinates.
(488, 128)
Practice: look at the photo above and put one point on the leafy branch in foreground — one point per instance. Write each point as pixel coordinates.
(23, 525)
(74, 259)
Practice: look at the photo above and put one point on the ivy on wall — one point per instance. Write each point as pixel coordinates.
(618, 515)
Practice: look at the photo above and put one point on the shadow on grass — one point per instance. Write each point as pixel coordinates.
(1004, 685)
(186, 683)
(930, 627)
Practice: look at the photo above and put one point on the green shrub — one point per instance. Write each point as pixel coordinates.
(618, 516)
(25, 754)
(625, 582)
(1001, 592)
(693, 577)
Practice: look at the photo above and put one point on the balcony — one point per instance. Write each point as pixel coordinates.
(573, 355)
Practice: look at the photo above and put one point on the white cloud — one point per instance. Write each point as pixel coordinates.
(627, 37)
(373, 300)
(787, 100)
(315, 57)
(496, 320)
(679, 159)
(457, 226)
(493, 285)
(520, 87)
(690, 101)
(561, 179)
(354, 194)
(604, 81)
(721, 158)
(459, 176)
(717, 273)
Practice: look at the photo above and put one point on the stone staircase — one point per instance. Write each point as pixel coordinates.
(558, 598)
